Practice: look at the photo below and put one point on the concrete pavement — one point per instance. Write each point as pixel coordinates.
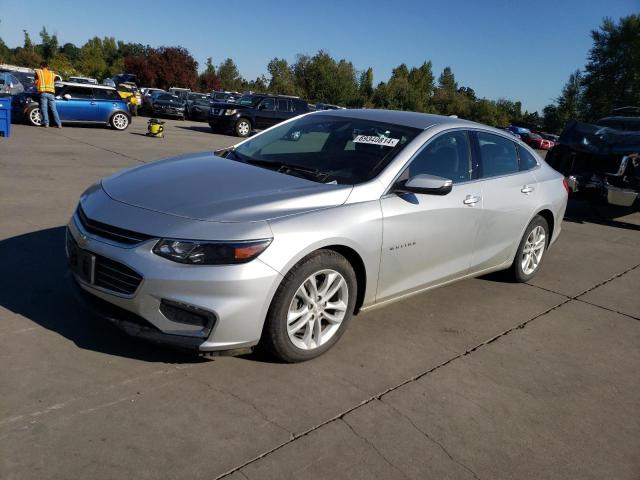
(480, 379)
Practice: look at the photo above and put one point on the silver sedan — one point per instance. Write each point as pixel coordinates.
(281, 239)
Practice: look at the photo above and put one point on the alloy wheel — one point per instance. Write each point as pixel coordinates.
(317, 309)
(120, 121)
(35, 117)
(533, 250)
(244, 128)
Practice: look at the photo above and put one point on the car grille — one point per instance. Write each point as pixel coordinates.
(115, 276)
(218, 111)
(110, 232)
(109, 274)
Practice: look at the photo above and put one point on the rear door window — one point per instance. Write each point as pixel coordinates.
(498, 154)
(527, 160)
(283, 105)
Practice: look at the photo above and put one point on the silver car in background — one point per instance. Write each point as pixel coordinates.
(280, 239)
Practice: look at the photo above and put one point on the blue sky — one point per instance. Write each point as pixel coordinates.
(500, 48)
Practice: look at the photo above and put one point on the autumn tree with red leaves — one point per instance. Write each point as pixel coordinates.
(164, 67)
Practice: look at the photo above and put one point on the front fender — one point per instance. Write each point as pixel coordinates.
(356, 226)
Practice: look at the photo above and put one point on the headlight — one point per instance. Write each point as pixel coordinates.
(210, 253)
(231, 111)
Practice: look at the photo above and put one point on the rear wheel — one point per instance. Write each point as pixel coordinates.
(119, 121)
(243, 127)
(311, 308)
(531, 250)
(34, 116)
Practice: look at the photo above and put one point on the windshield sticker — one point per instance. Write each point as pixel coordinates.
(373, 140)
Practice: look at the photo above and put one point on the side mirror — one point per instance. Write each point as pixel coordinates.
(11, 85)
(425, 184)
(66, 96)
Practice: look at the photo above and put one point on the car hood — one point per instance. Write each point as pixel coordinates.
(204, 186)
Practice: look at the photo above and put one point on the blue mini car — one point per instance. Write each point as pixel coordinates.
(77, 103)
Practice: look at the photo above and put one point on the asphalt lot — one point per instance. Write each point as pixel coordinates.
(481, 379)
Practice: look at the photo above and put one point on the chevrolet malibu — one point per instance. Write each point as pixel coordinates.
(282, 238)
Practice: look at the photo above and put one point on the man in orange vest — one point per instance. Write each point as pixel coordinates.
(45, 83)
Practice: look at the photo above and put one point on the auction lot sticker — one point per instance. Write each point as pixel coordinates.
(373, 140)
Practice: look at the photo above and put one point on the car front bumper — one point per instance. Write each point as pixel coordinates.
(222, 122)
(235, 297)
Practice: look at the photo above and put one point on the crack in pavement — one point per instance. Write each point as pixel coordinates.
(245, 402)
(469, 351)
(378, 396)
(370, 443)
(608, 309)
(430, 438)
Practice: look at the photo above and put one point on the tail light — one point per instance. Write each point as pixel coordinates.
(566, 185)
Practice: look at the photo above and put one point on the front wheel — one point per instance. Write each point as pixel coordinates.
(243, 127)
(531, 250)
(34, 116)
(311, 308)
(119, 121)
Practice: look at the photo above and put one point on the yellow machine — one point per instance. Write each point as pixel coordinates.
(155, 128)
(129, 91)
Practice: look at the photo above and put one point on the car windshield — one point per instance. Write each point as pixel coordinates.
(327, 149)
(248, 100)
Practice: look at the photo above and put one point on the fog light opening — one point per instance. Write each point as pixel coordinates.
(187, 314)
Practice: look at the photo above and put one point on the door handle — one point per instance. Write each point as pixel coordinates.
(93, 103)
(471, 200)
(527, 189)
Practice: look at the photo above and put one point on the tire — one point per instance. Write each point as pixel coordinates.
(243, 127)
(119, 121)
(34, 116)
(292, 336)
(526, 262)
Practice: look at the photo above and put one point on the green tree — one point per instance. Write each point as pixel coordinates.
(551, 121)
(91, 60)
(421, 86)
(282, 78)
(230, 76)
(569, 102)
(612, 73)
(398, 88)
(365, 86)
(63, 66)
(72, 52)
(49, 44)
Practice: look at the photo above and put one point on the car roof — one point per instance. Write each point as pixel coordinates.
(404, 118)
(85, 85)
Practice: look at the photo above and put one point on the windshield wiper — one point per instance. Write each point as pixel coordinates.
(287, 168)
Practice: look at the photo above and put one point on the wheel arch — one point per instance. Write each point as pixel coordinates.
(360, 270)
(548, 216)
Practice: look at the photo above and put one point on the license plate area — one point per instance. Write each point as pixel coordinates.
(82, 263)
